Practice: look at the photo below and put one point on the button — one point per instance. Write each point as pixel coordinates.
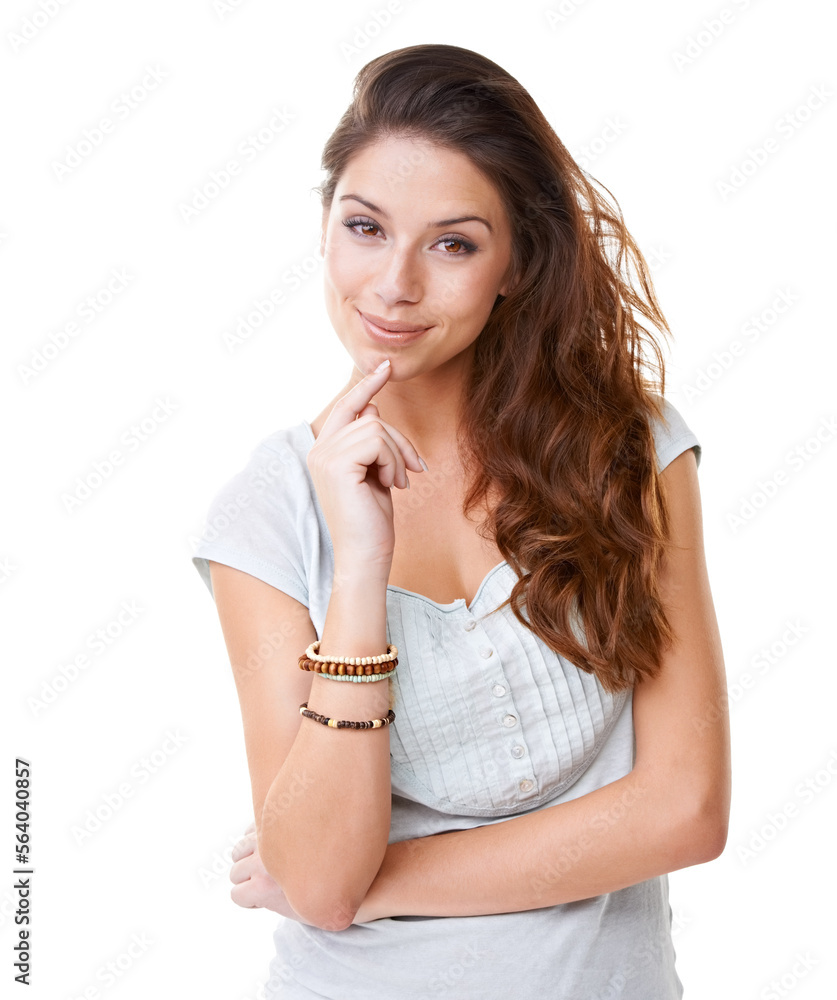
(470, 626)
(486, 651)
(498, 690)
(517, 751)
(509, 721)
(526, 785)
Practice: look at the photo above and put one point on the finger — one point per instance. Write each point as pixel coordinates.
(347, 408)
(244, 869)
(408, 451)
(370, 408)
(242, 895)
(251, 828)
(402, 446)
(399, 475)
(244, 847)
(381, 450)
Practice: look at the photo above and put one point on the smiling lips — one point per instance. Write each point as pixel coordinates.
(390, 331)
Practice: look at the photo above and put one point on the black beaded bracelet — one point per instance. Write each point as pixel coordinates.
(346, 723)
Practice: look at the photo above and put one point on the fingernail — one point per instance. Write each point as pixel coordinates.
(381, 366)
(408, 480)
(423, 464)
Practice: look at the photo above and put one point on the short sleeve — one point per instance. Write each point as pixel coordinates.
(672, 436)
(259, 520)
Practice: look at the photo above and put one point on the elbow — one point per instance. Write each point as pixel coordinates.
(325, 916)
(314, 904)
(702, 831)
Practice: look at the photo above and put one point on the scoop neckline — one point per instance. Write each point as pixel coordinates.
(460, 602)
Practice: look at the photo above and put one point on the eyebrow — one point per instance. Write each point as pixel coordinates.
(431, 225)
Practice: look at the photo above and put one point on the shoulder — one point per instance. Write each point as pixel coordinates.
(672, 435)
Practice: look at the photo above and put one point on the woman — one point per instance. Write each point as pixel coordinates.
(552, 740)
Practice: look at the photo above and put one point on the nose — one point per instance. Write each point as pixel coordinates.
(399, 277)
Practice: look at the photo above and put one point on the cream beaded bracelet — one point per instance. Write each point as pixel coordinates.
(312, 654)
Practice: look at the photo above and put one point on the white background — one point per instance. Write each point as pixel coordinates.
(688, 116)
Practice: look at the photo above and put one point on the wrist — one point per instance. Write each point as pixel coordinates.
(356, 570)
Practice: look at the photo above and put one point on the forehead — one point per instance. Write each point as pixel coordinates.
(399, 170)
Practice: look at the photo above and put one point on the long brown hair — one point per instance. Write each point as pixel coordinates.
(555, 420)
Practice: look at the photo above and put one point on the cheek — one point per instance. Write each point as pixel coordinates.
(463, 298)
(344, 271)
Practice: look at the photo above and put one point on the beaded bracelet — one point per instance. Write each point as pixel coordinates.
(346, 723)
(312, 653)
(335, 667)
(362, 679)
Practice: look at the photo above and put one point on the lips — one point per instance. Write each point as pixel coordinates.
(391, 325)
(394, 333)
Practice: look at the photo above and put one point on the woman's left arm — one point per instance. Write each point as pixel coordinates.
(671, 811)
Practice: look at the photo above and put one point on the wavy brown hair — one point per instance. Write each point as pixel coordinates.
(555, 419)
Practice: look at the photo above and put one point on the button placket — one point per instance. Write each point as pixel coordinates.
(525, 784)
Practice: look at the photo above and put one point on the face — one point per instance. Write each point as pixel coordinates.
(403, 247)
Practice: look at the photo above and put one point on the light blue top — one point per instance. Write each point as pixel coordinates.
(490, 724)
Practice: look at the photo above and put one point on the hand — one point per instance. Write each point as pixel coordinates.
(254, 887)
(354, 463)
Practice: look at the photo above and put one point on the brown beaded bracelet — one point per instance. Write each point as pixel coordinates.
(346, 723)
(338, 667)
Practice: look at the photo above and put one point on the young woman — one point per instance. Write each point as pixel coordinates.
(547, 735)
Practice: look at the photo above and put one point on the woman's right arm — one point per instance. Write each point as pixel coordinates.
(322, 796)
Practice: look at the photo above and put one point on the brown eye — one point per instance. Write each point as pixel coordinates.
(367, 225)
(455, 245)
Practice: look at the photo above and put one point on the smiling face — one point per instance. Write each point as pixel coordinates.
(416, 237)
